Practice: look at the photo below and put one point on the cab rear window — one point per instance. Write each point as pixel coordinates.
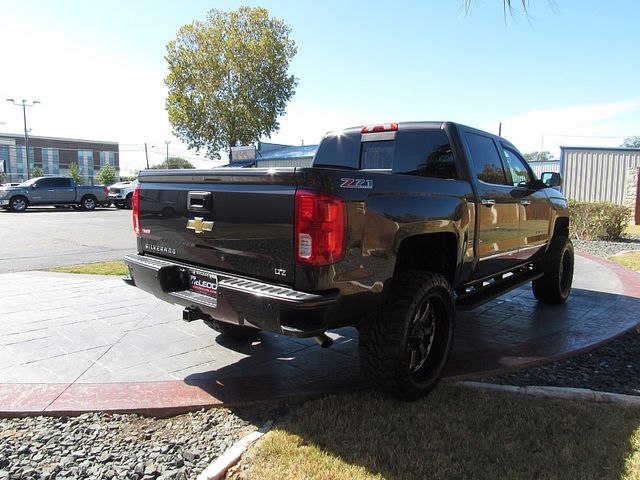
(411, 152)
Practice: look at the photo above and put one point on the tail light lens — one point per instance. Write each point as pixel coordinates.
(320, 228)
(135, 207)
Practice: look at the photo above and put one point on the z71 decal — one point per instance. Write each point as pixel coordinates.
(356, 183)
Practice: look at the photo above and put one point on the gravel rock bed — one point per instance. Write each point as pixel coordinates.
(112, 446)
(607, 249)
(614, 367)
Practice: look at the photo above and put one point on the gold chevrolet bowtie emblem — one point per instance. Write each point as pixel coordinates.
(199, 225)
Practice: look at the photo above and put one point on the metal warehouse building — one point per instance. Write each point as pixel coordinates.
(602, 174)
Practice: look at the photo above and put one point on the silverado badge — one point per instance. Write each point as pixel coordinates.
(199, 225)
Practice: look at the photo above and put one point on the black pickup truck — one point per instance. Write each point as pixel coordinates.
(393, 228)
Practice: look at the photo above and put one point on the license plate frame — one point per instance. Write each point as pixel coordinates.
(204, 283)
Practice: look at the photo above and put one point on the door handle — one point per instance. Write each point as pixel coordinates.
(488, 202)
(199, 202)
(525, 203)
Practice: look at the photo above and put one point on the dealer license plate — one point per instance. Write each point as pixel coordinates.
(204, 282)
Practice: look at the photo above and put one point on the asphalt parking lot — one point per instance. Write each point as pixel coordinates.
(48, 237)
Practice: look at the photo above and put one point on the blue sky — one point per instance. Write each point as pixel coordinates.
(567, 75)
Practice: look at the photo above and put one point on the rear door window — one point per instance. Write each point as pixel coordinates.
(425, 153)
(61, 182)
(486, 159)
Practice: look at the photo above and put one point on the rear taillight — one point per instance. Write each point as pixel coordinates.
(106, 191)
(320, 228)
(135, 207)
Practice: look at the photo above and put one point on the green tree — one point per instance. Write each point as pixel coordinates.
(74, 172)
(37, 172)
(106, 175)
(631, 142)
(173, 162)
(537, 156)
(228, 78)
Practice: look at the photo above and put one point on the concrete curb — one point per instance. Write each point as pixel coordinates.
(565, 393)
(217, 469)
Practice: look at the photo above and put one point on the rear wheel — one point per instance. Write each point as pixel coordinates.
(18, 204)
(555, 285)
(232, 331)
(88, 202)
(405, 348)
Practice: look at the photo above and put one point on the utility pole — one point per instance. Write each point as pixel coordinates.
(167, 142)
(24, 106)
(146, 154)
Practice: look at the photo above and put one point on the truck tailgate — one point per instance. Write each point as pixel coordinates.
(233, 220)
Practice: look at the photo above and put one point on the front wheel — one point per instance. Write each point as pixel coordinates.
(405, 348)
(18, 204)
(88, 203)
(555, 285)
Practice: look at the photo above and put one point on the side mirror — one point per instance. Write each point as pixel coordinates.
(34, 185)
(551, 179)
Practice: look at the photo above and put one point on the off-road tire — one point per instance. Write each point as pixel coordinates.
(418, 315)
(18, 204)
(232, 331)
(88, 202)
(554, 286)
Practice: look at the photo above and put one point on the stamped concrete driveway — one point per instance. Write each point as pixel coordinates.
(47, 237)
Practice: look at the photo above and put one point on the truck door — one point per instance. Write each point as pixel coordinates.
(498, 211)
(533, 204)
(43, 192)
(65, 190)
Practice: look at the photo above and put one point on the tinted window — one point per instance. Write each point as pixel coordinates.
(45, 183)
(426, 153)
(339, 151)
(486, 159)
(519, 172)
(377, 155)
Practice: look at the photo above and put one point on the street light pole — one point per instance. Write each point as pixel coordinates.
(24, 106)
(167, 142)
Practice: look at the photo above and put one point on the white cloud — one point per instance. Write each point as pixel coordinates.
(604, 124)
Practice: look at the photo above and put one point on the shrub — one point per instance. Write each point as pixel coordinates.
(597, 220)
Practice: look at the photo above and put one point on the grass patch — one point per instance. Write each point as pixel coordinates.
(455, 432)
(116, 267)
(630, 260)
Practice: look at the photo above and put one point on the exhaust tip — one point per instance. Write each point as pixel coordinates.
(323, 340)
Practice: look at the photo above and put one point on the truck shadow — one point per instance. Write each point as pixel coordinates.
(505, 335)
(455, 432)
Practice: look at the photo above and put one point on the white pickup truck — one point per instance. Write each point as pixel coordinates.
(121, 193)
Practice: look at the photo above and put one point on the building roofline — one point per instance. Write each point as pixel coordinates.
(37, 137)
(622, 149)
